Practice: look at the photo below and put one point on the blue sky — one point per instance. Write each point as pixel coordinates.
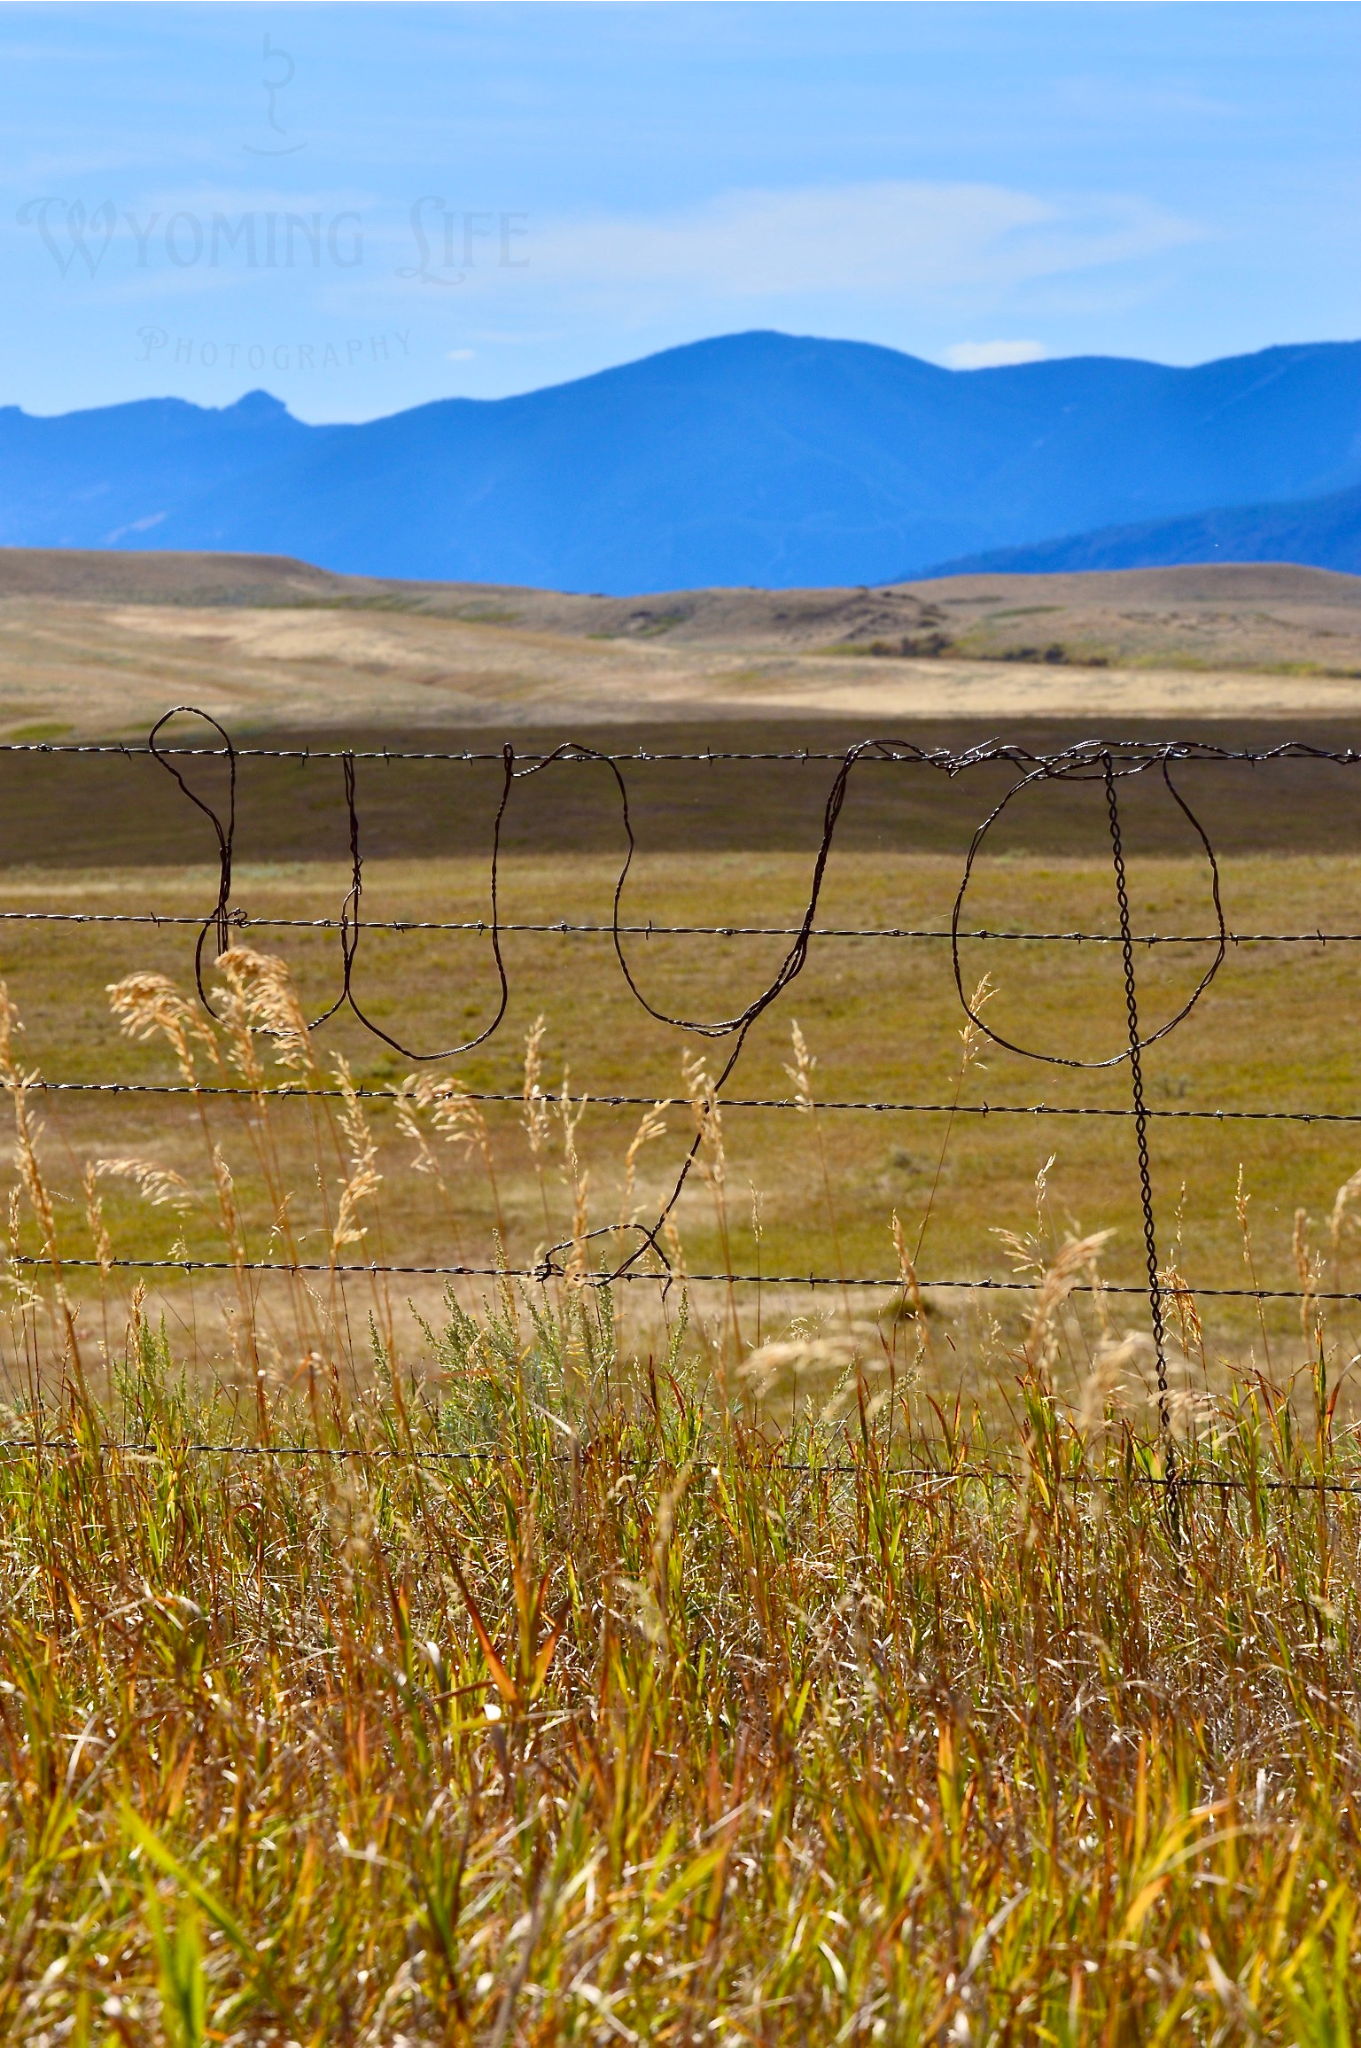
(361, 208)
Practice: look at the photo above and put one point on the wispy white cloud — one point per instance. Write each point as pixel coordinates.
(930, 243)
(993, 355)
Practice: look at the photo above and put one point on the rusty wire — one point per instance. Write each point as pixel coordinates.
(933, 1477)
(1106, 763)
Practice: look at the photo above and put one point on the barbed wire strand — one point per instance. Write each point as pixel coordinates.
(899, 751)
(544, 1270)
(241, 920)
(1084, 762)
(1136, 1080)
(298, 1091)
(926, 1475)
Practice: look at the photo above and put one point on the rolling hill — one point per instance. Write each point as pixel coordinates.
(99, 643)
(753, 459)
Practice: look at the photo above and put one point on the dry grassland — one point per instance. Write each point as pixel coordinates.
(95, 643)
(519, 1664)
(535, 1690)
(723, 845)
(882, 1017)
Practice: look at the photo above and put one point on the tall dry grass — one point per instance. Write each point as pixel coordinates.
(531, 1688)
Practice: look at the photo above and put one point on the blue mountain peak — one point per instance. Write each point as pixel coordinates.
(752, 459)
(258, 405)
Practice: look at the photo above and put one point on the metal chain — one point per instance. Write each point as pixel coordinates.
(1136, 1078)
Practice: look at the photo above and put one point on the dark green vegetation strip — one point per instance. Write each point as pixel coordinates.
(69, 810)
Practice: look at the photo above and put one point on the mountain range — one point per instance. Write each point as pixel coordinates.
(1322, 533)
(756, 459)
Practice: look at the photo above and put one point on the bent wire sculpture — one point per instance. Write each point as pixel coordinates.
(1107, 764)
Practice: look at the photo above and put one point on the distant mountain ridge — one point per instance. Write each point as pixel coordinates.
(1322, 533)
(754, 459)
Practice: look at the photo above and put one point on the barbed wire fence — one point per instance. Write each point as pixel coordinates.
(1109, 765)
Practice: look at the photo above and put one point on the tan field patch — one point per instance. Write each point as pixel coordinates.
(102, 644)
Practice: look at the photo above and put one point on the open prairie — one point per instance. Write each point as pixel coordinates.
(722, 847)
(393, 1660)
(882, 1017)
(102, 643)
(288, 656)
